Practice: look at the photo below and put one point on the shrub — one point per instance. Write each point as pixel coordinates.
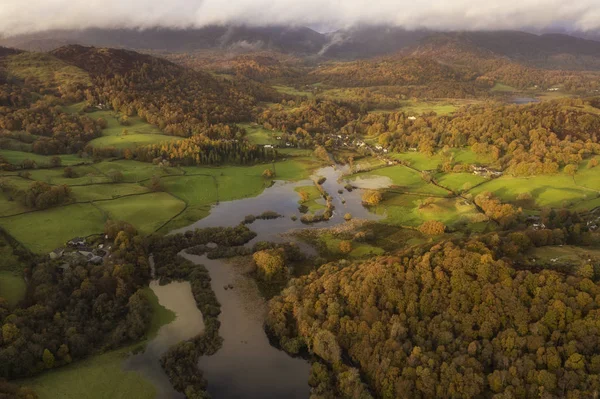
(371, 197)
(270, 263)
(432, 228)
(345, 247)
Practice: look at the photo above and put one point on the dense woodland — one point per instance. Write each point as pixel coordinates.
(177, 100)
(526, 140)
(456, 319)
(199, 150)
(76, 310)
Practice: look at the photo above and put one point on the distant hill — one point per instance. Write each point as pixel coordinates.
(4, 51)
(548, 50)
(99, 61)
(291, 39)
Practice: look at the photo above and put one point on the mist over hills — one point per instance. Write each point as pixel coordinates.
(546, 50)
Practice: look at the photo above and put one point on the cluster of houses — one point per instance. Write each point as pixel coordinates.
(485, 172)
(78, 251)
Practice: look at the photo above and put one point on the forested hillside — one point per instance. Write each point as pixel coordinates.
(456, 319)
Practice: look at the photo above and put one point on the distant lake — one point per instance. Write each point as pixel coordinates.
(524, 100)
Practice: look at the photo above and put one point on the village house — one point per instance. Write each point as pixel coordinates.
(412, 118)
(76, 242)
(57, 253)
(485, 172)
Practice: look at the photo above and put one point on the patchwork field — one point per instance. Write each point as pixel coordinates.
(547, 191)
(459, 182)
(257, 134)
(43, 231)
(17, 158)
(421, 161)
(86, 174)
(134, 171)
(99, 192)
(131, 200)
(137, 210)
(406, 179)
(410, 210)
(418, 160)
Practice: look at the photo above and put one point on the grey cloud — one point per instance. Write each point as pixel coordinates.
(19, 16)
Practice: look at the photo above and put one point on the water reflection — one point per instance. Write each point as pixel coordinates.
(247, 366)
(177, 297)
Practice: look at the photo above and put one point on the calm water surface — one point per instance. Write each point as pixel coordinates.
(247, 366)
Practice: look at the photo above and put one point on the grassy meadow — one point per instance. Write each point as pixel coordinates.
(558, 191)
(314, 201)
(189, 193)
(136, 132)
(17, 158)
(406, 180)
(256, 134)
(12, 287)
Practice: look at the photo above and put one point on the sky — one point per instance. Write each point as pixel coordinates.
(27, 16)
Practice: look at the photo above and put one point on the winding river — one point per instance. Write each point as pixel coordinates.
(247, 366)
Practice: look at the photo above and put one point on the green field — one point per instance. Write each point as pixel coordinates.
(409, 210)
(292, 91)
(44, 231)
(106, 191)
(135, 133)
(368, 163)
(422, 107)
(97, 377)
(415, 108)
(131, 140)
(86, 174)
(588, 177)
(331, 245)
(565, 255)
(134, 171)
(17, 158)
(146, 212)
(467, 156)
(459, 182)
(12, 287)
(257, 134)
(313, 203)
(406, 179)
(420, 161)
(502, 88)
(547, 191)
(10, 207)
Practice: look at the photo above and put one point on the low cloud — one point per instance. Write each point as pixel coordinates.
(19, 16)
